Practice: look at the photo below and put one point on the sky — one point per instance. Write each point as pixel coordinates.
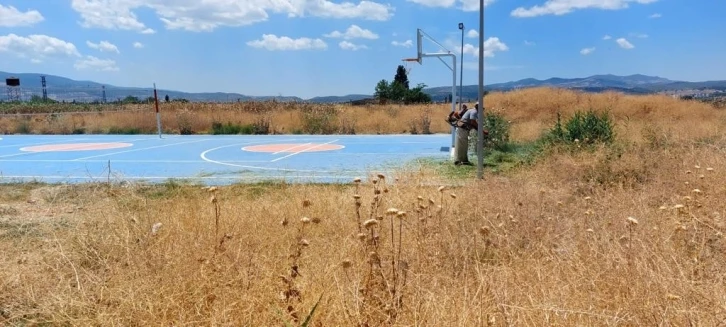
(310, 48)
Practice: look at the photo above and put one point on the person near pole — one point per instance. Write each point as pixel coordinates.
(456, 115)
(464, 125)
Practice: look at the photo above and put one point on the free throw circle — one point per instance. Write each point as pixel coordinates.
(75, 147)
(292, 147)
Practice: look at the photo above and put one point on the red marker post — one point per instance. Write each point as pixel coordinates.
(158, 115)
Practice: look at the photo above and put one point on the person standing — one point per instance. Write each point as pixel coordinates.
(467, 122)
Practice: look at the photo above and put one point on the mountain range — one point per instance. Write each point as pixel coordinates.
(62, 88)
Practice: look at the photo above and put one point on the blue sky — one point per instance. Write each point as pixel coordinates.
(334, 47)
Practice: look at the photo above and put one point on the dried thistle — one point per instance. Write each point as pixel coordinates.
(370, 223)
(632, 221)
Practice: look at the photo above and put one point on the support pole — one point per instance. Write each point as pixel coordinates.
(461, 69)
(453, 102)
(453, 88)
(158, 115)
(480, 112)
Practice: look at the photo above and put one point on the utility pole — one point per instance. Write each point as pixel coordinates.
(480, 112)
(461, 75)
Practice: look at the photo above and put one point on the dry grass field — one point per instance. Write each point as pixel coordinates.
(622, 234)
(530, 110)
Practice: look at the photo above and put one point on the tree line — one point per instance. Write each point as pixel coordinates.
(399, 90)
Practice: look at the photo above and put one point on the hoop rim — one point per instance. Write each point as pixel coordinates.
(411, 60)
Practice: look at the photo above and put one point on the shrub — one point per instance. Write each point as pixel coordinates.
(498, 128)
(230, 128)
(318, 119)
(584, 128)
(184, 122)
(262, 125)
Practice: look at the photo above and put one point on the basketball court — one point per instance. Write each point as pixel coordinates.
(210, 159)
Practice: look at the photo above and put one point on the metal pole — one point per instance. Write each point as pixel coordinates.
(480, 112)
(461, 68)
(453, 103)
(158, 116)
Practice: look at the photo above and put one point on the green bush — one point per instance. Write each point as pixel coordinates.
(230, 128)
(584, 128)
(124, 130)
(319, 119)
(498, 128)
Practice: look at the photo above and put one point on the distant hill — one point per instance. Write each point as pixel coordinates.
(632, 84)
(61, 88)
(65, 89)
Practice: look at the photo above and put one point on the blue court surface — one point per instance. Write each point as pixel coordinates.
(210, 159)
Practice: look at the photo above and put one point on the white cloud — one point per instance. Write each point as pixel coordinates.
(205, 16)
(530, 43)
(405, 44)
(607, 37)
(103, 46)
(434, 3)
(491, 46)
(562, 7)
(138, 45)
(465, 5)
(473, 5)
(639, 35)
(37, 46)
(12, 17)
(623, 43)
(472, 34)
(93, 63)
(587, 51)
(283, 43)
(656, 15)
(345, 45)
(353, 32)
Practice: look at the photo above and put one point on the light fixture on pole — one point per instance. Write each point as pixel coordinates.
(461, 74)
(480, 112)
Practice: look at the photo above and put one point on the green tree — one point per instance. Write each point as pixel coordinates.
(130, 99)
(398, 90)
(417, 95)
(401, 76)
(382, 92)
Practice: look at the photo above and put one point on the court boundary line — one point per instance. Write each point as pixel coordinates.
(116, 178)
(126, 161)
(76, 139)
(30, 152)
(78, 147)
(34, 144)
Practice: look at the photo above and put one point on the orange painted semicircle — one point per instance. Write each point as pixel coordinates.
(75, 147)
(292, 147)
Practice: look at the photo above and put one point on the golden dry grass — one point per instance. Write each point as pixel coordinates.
(530, 110)
(547, 245)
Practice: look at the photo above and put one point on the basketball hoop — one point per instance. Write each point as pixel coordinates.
(407, 60)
